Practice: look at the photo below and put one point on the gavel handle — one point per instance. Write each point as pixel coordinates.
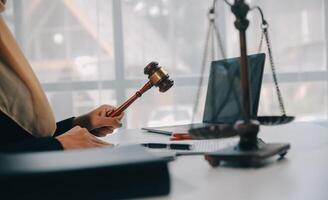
(127, 103)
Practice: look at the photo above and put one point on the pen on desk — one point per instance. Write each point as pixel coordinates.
(168, 146)
(181, 146)
(180, 136)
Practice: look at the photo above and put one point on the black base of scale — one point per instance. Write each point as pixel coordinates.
(251, 158)
(250, 151)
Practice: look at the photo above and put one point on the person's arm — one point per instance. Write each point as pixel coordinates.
(75, 138)
(96, 121)
(63, 126)
(15, 139)
(33, 145)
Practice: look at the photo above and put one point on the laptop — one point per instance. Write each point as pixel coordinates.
(223, 97)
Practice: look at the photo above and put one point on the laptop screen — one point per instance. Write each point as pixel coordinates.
(223, 97)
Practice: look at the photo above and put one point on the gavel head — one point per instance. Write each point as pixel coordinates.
(158, 76)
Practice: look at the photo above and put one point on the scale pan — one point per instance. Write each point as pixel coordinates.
(275, 120)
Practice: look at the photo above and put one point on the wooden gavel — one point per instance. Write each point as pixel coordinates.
(157, 77)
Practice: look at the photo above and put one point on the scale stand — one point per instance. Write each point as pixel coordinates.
(250, 151)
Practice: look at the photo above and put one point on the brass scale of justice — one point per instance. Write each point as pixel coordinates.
(251, 150)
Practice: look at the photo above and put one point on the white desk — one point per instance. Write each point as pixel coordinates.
(303, 174)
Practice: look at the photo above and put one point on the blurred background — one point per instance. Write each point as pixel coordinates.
(92, 52)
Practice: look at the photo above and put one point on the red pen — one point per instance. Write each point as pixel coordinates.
(181, 136)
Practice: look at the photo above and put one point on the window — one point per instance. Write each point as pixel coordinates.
(89, 52)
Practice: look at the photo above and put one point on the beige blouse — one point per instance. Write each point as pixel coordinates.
(21, 96)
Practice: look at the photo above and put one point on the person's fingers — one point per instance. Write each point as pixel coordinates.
(103, 131)
(109, 121)
(108, 107)
(99, 118)
(108, 113)
(99, 142)
(107, 129)
(94, 139)
(106, 110)
(100, 134)
(103, 110)
(76, 128)
(119, 117)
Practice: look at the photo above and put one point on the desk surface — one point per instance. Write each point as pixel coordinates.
(303, 174)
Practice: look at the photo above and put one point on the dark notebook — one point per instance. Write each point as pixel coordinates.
(105, 173)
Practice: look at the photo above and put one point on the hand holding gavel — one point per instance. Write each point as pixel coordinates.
(157, 77)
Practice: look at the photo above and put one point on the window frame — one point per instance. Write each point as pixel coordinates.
(125, 84)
